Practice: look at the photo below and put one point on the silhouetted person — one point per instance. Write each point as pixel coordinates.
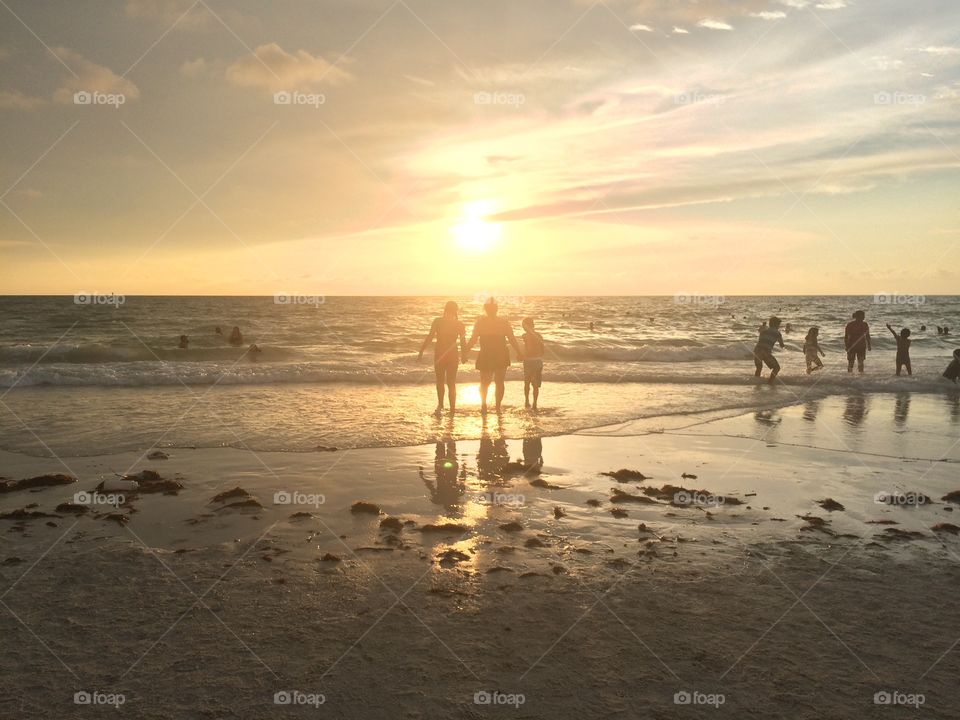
(184, 342)
(236, 338)
(903, 348)
(856, 340)
(494, 356)
(218, 331)
(447, 329)
(812, 351)
(532, 362)
(763, 350)
(953, 369)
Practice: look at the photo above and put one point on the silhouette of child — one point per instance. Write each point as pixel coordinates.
(763, 351)
(811, 350)
(903, 349)
(532, 362)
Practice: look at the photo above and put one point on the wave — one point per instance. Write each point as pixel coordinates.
(250, 373)
(93, 354)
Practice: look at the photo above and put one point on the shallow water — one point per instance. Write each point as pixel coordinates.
(92, 379)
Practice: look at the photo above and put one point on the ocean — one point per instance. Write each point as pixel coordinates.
(105, 375)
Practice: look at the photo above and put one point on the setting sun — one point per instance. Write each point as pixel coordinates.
(474, 233)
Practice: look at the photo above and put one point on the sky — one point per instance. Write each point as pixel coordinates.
(524, 147)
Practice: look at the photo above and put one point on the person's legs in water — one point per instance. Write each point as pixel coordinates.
(501, 376)
(758, 362)
(774, 368)
(851, 355)
(451, 378)
(861, 356)
(526, 393)
(439, 371)
(536, 394)
(485, 377)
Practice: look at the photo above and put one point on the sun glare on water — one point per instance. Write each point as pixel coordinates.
(474, 233)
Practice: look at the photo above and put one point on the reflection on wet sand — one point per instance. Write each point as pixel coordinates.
(901, 409)
(450, 481)
(855, 410)
(810, 410)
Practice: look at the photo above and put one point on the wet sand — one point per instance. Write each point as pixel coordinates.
(773, 580)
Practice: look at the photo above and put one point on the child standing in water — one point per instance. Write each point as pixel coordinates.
(763, 351)
(811, 350)
(533, 362)
(903, 348)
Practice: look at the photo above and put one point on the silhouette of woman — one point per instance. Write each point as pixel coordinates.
(447, 329)
(494, 357)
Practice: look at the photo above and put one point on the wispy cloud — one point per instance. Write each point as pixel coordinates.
(715, 24)
(769, 15)
(640, 27)
(89, 76)
(270, 66)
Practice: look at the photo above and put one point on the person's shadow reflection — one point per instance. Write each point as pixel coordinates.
(855, 410)
(901, 409)
(450, 479)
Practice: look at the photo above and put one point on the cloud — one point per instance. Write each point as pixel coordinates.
(940, 50)
(799, 4)
(769, 15)
(271, 67)
(194, 68)
(90, 77)
(680, 31)
(18, 101)
(640, 27)
(715, 24)
(831, 5)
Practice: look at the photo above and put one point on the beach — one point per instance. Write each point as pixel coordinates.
(811, 564)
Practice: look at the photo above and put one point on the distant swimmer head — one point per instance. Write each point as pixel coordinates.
(450, 310)
(528, 324)
(218, 331)
(184, 341)
(859, 315)
(490, 307)
(774, 322)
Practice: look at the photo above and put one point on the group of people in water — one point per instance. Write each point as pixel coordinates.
(235, 339)
(495, 336)
(856, 342)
